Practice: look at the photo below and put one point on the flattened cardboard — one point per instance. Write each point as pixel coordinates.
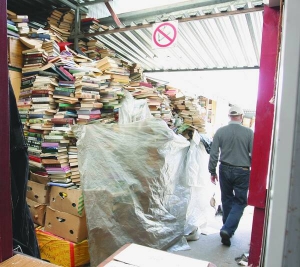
(37, 211)
(38, 192)
(59, 251)
(39, 178)
(151, 257)
(65, 225)
(66, 200)
(15, 79)
(24, 260)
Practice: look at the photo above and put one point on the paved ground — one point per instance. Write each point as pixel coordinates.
(209, 247)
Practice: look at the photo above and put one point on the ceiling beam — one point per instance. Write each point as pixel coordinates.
(113, 14)
(89, 3)
(74, 6)
(180, 20)
(139, 15)
(213, 69)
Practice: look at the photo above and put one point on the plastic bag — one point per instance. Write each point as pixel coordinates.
(133, 179)
(197, 175)
(133, 110)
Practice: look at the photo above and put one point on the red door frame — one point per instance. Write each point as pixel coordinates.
(261, 146)
(263, 129)
(5, 195)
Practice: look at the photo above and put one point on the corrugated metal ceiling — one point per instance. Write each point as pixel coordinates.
(223, 42)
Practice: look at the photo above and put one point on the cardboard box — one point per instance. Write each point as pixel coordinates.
(67, 200)
(127, 256)
(15, 49)
(37, 211)
(15, 79)
(39, 178)
(65, 225)
(62, 252)
(38, 192)
(21, 260)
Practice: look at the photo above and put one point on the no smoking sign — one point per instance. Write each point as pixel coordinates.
(164, 34)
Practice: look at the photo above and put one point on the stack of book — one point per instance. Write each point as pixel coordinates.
(51, 48)
(55, 17)
(82, 45)
(88, 92)
(67, 21)
(90, 25)
(12, 29)
(106, 52)
(73, 160)
(33, 59)
(190, 111)
(55, 156)
(93, 49)
(65, 93)
(23, 28)
(42, 110)
(43, 106)
(61, 34)
(136, 72)
(24, 102)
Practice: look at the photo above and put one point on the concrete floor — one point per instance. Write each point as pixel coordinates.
(209, 247)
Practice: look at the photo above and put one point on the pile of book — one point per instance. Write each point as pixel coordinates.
(93, 49)
(90, 25)
(55, 17)
(51, 48)
(82, 45)
(16, 24)
(189, 110)
(67, 20)
(33, 59)
(73, 161)
(136, 72)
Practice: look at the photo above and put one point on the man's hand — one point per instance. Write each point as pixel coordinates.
(214, 178)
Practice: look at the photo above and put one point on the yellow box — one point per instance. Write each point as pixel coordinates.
(61, 252)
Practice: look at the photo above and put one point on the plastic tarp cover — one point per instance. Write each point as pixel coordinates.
(198, 178)
(135, 190)
(133, 110)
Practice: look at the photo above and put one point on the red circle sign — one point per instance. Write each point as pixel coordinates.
(162, 30)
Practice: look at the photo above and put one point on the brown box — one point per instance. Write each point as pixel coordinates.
(15, 79)
(39, 178)
(65, 225)
(38, 211)
(67, 200)
(21, 260)
(38, 192)
(59, 251)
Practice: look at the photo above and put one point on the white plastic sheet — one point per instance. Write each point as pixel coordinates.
(198, 178)
(133, 110)
(133, 179)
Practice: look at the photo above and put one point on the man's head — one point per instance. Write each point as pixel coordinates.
(236, 113)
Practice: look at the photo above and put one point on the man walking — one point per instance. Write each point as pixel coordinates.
(234, 142)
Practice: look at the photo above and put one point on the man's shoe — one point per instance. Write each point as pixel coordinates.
(225, 238)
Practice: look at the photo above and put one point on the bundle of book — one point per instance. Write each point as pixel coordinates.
(136, 73)
(90, 25)
(62, 18)
(94, 48)
(190, 111)
(17, 24)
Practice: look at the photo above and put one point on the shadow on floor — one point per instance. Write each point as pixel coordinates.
(209, 247)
